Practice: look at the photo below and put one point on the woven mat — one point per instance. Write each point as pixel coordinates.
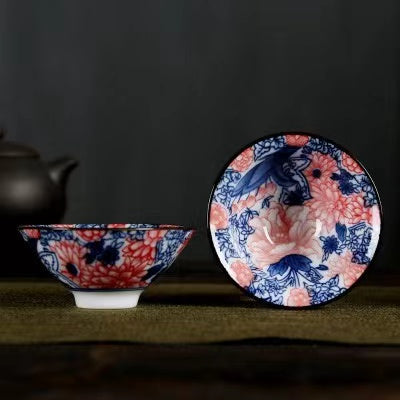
(44, 312)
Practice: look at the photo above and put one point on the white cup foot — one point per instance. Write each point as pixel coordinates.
(103, 300)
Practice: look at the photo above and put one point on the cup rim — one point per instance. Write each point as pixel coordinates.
(108, 226)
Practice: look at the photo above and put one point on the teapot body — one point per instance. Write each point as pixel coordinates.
(27, 192)
(31, 192)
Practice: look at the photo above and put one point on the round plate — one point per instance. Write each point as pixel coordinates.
(294, 219)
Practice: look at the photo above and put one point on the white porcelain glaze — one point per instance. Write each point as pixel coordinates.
(101, 300)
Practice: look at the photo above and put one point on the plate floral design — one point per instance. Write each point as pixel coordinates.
(107, 256)
(295, 220)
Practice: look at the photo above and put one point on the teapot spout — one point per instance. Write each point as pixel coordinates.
(60, 169)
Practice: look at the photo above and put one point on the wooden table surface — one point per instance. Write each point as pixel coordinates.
(253, 369)
(234, 370)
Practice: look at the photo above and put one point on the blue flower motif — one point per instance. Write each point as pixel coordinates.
(294, 269)
(323, 292)
(330, 245)
(295, 262)
(55, 235)
(365, 184)
(98, 250)
(346, 182)
(346, 187)
(267, 146)
(223, 192)
(241, 225)
(225, 243)
(166, 249)
(322, 146)
(136, 235)
(359, 240)
(266, 288)
(94, 250)
(121, 234)
(294, 198)
(109, 255)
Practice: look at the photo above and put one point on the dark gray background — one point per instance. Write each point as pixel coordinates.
(153, 97)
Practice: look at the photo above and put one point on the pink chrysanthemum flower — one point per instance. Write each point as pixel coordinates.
(243, 160)
(298, 297)
(243, 273)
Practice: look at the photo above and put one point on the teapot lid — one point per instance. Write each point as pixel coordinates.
(13, 149)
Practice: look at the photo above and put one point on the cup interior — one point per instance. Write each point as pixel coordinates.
(294, 219)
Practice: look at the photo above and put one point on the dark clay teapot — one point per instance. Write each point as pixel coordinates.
(31, 191)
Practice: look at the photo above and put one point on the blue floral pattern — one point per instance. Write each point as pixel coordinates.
(113, 256)
(295, 220)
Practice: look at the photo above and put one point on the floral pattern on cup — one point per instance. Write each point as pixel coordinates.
(299, 225)
(218, 216)
(243, 160)
(298, 297)
(243, 273)
(113, 256)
